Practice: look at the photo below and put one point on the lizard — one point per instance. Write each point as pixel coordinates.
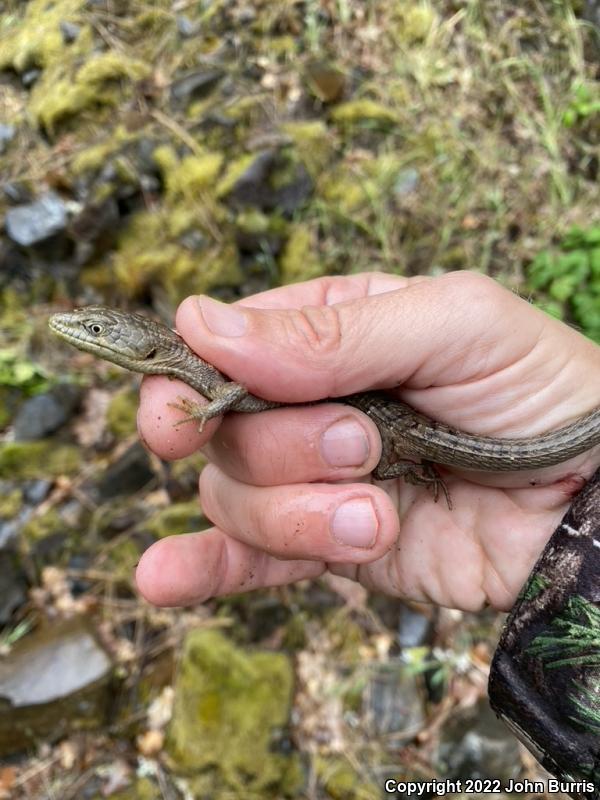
(143, 345)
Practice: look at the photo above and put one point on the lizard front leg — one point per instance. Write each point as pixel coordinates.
(419, 473)
(225, 397)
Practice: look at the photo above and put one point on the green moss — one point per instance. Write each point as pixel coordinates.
(313, 142)
(35, 40)
(94, 157)
(415, 21)
(176, 518)
(121, 559)
(148, 252)
(299, 260)
(342, 782)
(229, 704)
(10, 503)
(233, 173)
(41, 459)
(192, 176)
(140, 789)
(64, 92)
(355, 112)
(38, 528)
(121, 415)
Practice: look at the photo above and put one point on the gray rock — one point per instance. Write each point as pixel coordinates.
(34, 222)
(186, 27)
(394, 704)
(52, 681)
(42, 415)
(13, 586)
(70, 31)
(406, 181)
(254, 186)
(413, 628)
(476, 744)
(36, 490)
(195, 85)
(29, 77)
(131, 472)
(7, 133)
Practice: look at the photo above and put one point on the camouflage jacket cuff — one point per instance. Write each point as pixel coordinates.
(545, 675)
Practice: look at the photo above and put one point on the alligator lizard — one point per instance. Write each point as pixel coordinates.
(143, 345)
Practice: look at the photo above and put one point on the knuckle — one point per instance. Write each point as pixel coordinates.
(317, 330)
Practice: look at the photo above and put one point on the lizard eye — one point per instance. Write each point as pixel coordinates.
(95, 328)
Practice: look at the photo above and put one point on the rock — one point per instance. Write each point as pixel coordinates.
(231, 708)
(53, 681)
(186, 27)
(255, 185)
(34, 222)
(476, 744)
(326, 81)
(7, 133)
(195, 85)
(70, 31)
(42, 415)
(29, 77)
(13, 586)
(17, 192)
(34, 491)
(129, 473)
(414, 628)
(394, 701)
(406, 182)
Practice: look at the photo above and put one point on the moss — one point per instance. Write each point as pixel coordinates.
(36, 40)
(63, 93)
(313, 142)
(94, 157)
(342, 782)
(355, 112)
(140, 789)
(233, 173)
(229, 705)
(368, 184)
(348, 638)
(148, 252)
(41, 459)
(299, 260)
(192, 176)
(415, 21)
(10, 503)
(121, 415)
(38, 528)
(176, 518)
(121, 559)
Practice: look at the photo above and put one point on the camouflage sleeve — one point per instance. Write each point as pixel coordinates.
(545, 675)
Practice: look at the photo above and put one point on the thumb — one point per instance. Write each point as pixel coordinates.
(408, 335)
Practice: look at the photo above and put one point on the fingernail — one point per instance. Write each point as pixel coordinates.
(345, 444)
(221, 318)
(355, 523)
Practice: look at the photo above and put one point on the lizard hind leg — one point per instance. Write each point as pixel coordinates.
(225, 397)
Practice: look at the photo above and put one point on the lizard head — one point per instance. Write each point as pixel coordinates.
(123, 338)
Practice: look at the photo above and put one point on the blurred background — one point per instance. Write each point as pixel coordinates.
(150, 150)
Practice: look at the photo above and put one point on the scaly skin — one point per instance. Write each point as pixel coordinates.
(143, 345)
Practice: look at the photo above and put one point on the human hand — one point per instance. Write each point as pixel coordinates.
(288, 489)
